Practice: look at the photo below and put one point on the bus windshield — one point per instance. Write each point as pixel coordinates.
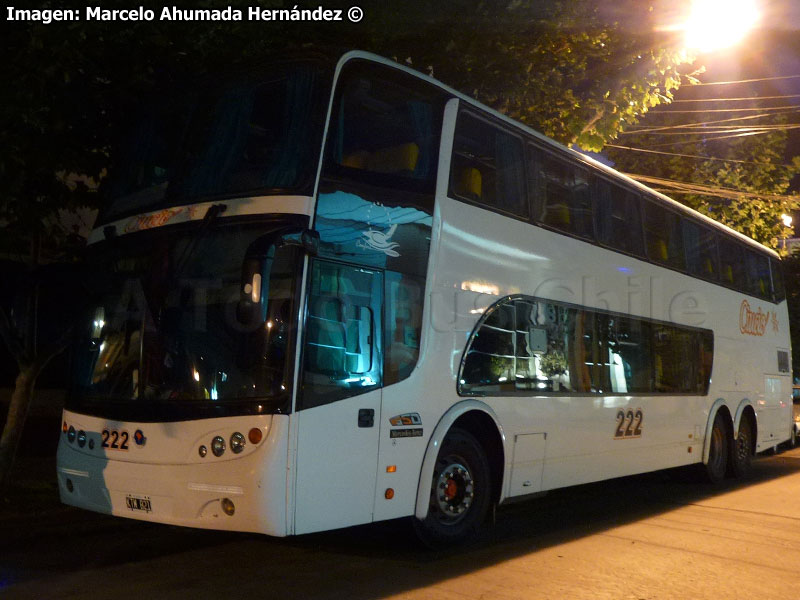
(258, 135)
(172, 324)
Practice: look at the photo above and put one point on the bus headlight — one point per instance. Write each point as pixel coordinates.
(218, 446)
(237, 442)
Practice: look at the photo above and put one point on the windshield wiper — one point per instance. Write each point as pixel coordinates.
(211, 215)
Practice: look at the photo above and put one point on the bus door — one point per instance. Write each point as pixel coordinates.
(339, 400)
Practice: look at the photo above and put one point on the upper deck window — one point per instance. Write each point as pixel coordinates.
(618, 218)
(385, 126)
(488, 166)
(663, 236)
(702, 258)
(562, 197)
(258, 135)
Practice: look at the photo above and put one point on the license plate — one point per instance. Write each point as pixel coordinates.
(137, 503)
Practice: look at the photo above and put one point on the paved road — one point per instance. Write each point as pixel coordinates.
(648, 537)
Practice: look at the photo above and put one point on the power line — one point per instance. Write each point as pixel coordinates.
(751, 98)
(719, 110)
(732, 160)
(707, 190)
(735, 129)
(730, 120)
(697, 156)
(711, 139)
(747, 80)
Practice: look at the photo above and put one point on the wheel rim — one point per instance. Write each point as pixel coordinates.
(454, 491)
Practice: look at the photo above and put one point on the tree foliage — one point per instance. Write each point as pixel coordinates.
(567, 69)
(747, 177)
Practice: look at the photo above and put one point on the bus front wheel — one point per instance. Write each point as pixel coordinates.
(460, 492)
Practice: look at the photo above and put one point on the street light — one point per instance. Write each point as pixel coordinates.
(787, 222)
(717, 24)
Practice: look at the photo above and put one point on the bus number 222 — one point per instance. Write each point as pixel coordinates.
(629, 424)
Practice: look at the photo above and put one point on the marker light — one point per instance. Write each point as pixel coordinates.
(254, 435)
(71, 434)
(237, 442)
(227, 506)
(202, 451)
(388, 494)
(218, 446)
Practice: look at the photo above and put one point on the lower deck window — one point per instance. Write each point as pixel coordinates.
(528, 346)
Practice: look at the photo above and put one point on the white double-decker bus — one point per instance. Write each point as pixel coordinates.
(332, 294)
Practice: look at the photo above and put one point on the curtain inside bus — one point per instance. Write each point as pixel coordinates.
(257, 136)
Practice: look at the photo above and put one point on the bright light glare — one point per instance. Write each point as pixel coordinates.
(717, 24)
(787, 220)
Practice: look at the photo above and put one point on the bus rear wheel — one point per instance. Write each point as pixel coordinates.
(460, 492)
(718, 451)
(741, 460)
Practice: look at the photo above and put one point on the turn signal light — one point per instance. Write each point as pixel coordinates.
(254, 435)
(227, 506)
(388, 494)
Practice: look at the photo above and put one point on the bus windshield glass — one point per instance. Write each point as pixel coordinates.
(256, 136)
(174, 327)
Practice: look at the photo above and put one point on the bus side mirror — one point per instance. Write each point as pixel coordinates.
(250, 308)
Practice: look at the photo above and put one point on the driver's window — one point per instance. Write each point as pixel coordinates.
(342, 349)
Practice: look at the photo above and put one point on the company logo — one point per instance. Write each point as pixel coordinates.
(139, 438)
(406, 419)
(378, 240)
(755, 322)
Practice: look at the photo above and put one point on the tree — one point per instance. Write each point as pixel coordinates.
(568, 70)
(741, 181)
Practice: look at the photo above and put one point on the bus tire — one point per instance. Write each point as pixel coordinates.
(718, 451)
(741, 460)
(460, 492)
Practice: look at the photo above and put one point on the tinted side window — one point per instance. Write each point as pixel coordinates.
(662, 230)
(526, 346)
(561, 194)
(488, 166)
(403, 313)
(342, 355)
(732, 268)
(758, 278)
(702, 258)
(618, 221)
(384, 123)
(778, 291)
